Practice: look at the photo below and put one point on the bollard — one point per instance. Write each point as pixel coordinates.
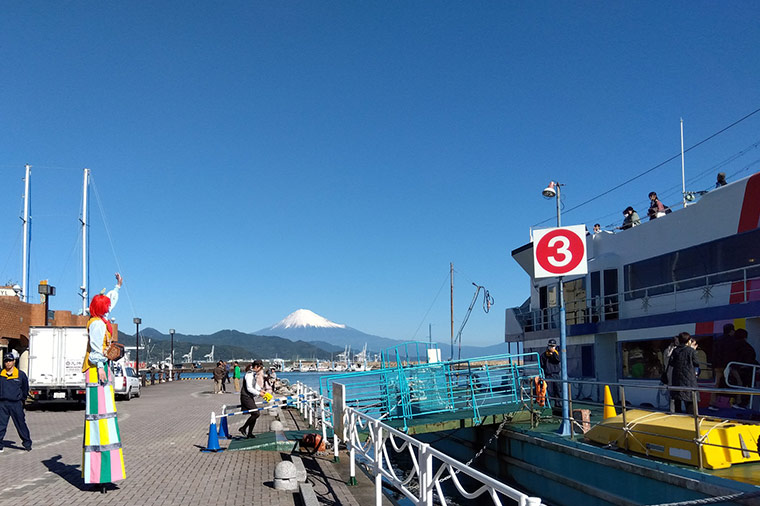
(285, 476)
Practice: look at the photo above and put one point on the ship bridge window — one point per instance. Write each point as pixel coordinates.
(721, 261)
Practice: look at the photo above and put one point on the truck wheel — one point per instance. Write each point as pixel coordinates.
(128, 397)
(138, 393)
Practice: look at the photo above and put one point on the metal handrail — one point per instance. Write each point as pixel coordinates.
(603, 307)
(430, 467)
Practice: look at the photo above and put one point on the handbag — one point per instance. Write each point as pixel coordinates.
(115, 351)
(664, 376)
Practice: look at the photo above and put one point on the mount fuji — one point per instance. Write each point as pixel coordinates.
(305, 325)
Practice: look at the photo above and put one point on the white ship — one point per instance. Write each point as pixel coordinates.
(692, 270)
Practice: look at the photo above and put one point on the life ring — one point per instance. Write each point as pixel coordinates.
(539, 387)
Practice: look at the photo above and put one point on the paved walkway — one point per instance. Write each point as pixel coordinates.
(163, 432)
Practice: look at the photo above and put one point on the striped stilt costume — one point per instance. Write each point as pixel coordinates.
(102, 456)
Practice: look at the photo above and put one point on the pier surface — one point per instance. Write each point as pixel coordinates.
(163, 432)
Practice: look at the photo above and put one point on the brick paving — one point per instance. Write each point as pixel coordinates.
(162, 432)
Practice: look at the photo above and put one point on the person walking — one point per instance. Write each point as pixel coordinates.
(14, 389)
(236, 375)
(683, 360)
(253, 382)
(102, 456)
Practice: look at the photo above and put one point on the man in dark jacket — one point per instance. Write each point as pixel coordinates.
(14, 389)
(552, 367)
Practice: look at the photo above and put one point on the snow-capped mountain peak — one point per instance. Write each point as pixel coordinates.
(305, 318)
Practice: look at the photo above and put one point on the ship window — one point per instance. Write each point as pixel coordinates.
(575, 301)
(721, 261)
(646, 359)
(610, 294)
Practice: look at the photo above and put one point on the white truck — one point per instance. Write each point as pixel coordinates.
(55, 363)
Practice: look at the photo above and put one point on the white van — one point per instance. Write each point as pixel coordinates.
(126, 383)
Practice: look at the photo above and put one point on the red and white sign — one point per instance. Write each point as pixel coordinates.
(559, 251)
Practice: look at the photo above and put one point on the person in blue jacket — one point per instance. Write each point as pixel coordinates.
(14, 389)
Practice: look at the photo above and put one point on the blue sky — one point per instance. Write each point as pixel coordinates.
(253, 158)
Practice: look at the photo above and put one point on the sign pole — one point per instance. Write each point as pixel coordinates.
(564, 428)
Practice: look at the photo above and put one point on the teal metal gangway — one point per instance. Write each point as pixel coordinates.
(404, 390)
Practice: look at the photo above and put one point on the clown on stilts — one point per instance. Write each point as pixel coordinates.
(102, 457)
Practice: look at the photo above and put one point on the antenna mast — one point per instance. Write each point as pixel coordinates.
(85, 284)
(25, 252)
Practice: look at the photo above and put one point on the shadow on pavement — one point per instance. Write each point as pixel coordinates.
(70, 473)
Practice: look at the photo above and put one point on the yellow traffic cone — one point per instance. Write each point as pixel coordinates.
(609, 404)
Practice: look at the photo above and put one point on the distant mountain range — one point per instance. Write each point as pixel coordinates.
(228, 344)
(302, 334)
(305, 325)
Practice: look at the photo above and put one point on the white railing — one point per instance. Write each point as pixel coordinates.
(430, 467)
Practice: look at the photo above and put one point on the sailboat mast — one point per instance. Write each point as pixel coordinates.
(451, 276)
(25, 247)
(85, 284)
(683, 168)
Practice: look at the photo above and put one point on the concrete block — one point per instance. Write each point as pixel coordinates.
(307, 495)
(300, 468)
(285, 476)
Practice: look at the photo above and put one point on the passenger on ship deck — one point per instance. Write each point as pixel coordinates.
(656, 208)
(684, 362)
(742, 352)
(631, 219)
(551, 365)
(598, 229)
(721, 180)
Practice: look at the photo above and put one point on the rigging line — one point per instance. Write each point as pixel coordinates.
(110, 239)
(431, 306)
(656, 166)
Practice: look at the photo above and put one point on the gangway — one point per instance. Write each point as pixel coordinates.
(419, 392)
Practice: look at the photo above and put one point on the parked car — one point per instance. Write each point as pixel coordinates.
(126, 382)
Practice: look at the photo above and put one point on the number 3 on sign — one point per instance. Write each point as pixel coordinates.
(559, 251)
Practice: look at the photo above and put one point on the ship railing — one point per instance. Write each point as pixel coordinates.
(743, 285)
(742, 376)
(380, 447)
(408, 353)
(620, 404)
(464, 387)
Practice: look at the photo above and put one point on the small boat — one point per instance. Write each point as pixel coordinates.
(723, 443)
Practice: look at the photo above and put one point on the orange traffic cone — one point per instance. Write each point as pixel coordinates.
(609, 404)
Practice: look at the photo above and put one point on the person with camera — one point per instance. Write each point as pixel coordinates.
(103, 460)
(684, 362)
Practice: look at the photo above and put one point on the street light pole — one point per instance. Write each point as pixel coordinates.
(171, 333)
(564, 429)
(137, 322)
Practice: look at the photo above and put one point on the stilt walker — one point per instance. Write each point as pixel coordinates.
(102, 457)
